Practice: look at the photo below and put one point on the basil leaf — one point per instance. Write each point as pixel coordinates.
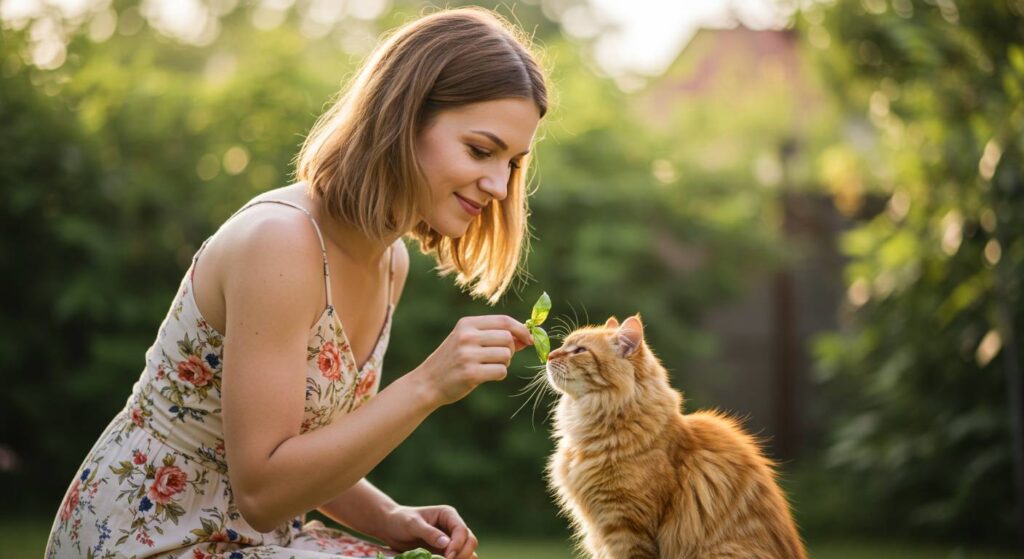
(418, 553)
(541, 343)
(540, 310)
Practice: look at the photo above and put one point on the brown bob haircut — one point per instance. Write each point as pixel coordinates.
(360, 161)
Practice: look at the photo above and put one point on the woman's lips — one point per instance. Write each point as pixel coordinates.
(470, 208)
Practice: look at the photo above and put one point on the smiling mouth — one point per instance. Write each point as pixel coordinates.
(472, 208)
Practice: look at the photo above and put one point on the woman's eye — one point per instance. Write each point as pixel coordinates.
(478, 153)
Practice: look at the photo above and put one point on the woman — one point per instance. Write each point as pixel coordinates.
(223, 446)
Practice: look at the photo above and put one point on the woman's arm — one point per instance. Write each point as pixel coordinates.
(363, 508)
(275, 471)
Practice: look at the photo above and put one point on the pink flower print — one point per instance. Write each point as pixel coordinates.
(138, 457)
(219, 449)
(329, 361)
(137, 416)
(200, 554)
(366, 384)
(170, 481)
(195, 371)
(160, 372)
(70, 502)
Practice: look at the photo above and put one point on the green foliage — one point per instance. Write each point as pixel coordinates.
(537, 317)
(418, 553)
(934, 281)
(117, 164)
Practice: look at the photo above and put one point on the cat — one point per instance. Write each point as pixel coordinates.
(639, 479)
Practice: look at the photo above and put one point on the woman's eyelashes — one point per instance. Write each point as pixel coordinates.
(481, 154)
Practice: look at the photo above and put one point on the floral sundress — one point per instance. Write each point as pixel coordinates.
(155, 483)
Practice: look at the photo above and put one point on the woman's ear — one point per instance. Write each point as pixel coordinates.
(630, 336)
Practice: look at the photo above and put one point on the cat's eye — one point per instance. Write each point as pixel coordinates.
(579, 349)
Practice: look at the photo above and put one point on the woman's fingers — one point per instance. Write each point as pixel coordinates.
(504, 322)
(469, 547)
(501, 355)
(493, 372)
(502, 338)
(433, 536)
(463, 543)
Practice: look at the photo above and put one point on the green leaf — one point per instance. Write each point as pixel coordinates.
(418, 553)
(541, 343)
(540, 310)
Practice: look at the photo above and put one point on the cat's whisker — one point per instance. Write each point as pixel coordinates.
(529, 386)
(551, 408)
(575, 316)
(534, 387)
(556, 333)
(563, 328)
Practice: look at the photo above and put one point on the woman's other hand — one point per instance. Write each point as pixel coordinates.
(437, 528)
(479, 349)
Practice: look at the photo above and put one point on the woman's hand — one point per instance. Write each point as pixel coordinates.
(438, 529)
(479, 349)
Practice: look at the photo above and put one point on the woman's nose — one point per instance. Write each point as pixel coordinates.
(496, 185)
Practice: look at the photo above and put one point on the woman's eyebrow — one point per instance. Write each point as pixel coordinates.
(501, 143)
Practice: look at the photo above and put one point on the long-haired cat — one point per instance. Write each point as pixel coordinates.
(638, 478)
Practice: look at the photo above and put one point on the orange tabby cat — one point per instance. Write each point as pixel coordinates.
(638, 478)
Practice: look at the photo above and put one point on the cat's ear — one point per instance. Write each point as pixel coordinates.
(630, 335)
(612, 323)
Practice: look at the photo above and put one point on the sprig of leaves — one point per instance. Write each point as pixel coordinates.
(418, 553)
(537, 317)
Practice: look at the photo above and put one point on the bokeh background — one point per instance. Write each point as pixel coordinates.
(817, 207)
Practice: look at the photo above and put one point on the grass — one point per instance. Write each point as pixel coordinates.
(499, 548)
(26, 539)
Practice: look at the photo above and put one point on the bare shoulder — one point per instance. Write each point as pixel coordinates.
(269, 255)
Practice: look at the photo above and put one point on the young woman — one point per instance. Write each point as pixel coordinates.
(259, 398)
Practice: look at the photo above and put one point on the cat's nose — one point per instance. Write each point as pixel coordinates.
(556, 354)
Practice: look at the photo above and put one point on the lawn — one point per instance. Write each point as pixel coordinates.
(499, 548)
(22, 539)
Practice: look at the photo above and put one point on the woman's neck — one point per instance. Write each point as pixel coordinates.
(348, 240)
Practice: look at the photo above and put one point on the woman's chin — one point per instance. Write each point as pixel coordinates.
(450, 229)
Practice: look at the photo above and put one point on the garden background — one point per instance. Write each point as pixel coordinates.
(821, 225)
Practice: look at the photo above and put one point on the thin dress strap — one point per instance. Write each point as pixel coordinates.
(316, 227)
(391, 274)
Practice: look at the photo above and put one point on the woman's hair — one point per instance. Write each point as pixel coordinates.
(360, 157)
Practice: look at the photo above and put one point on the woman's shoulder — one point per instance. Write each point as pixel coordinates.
(266, 235)
(266, 230)
(267, 250)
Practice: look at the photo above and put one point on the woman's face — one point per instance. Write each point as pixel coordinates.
(468, 153)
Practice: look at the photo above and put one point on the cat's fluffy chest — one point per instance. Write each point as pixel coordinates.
(596, 462)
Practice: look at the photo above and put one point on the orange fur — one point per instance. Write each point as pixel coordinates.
(639, 479)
